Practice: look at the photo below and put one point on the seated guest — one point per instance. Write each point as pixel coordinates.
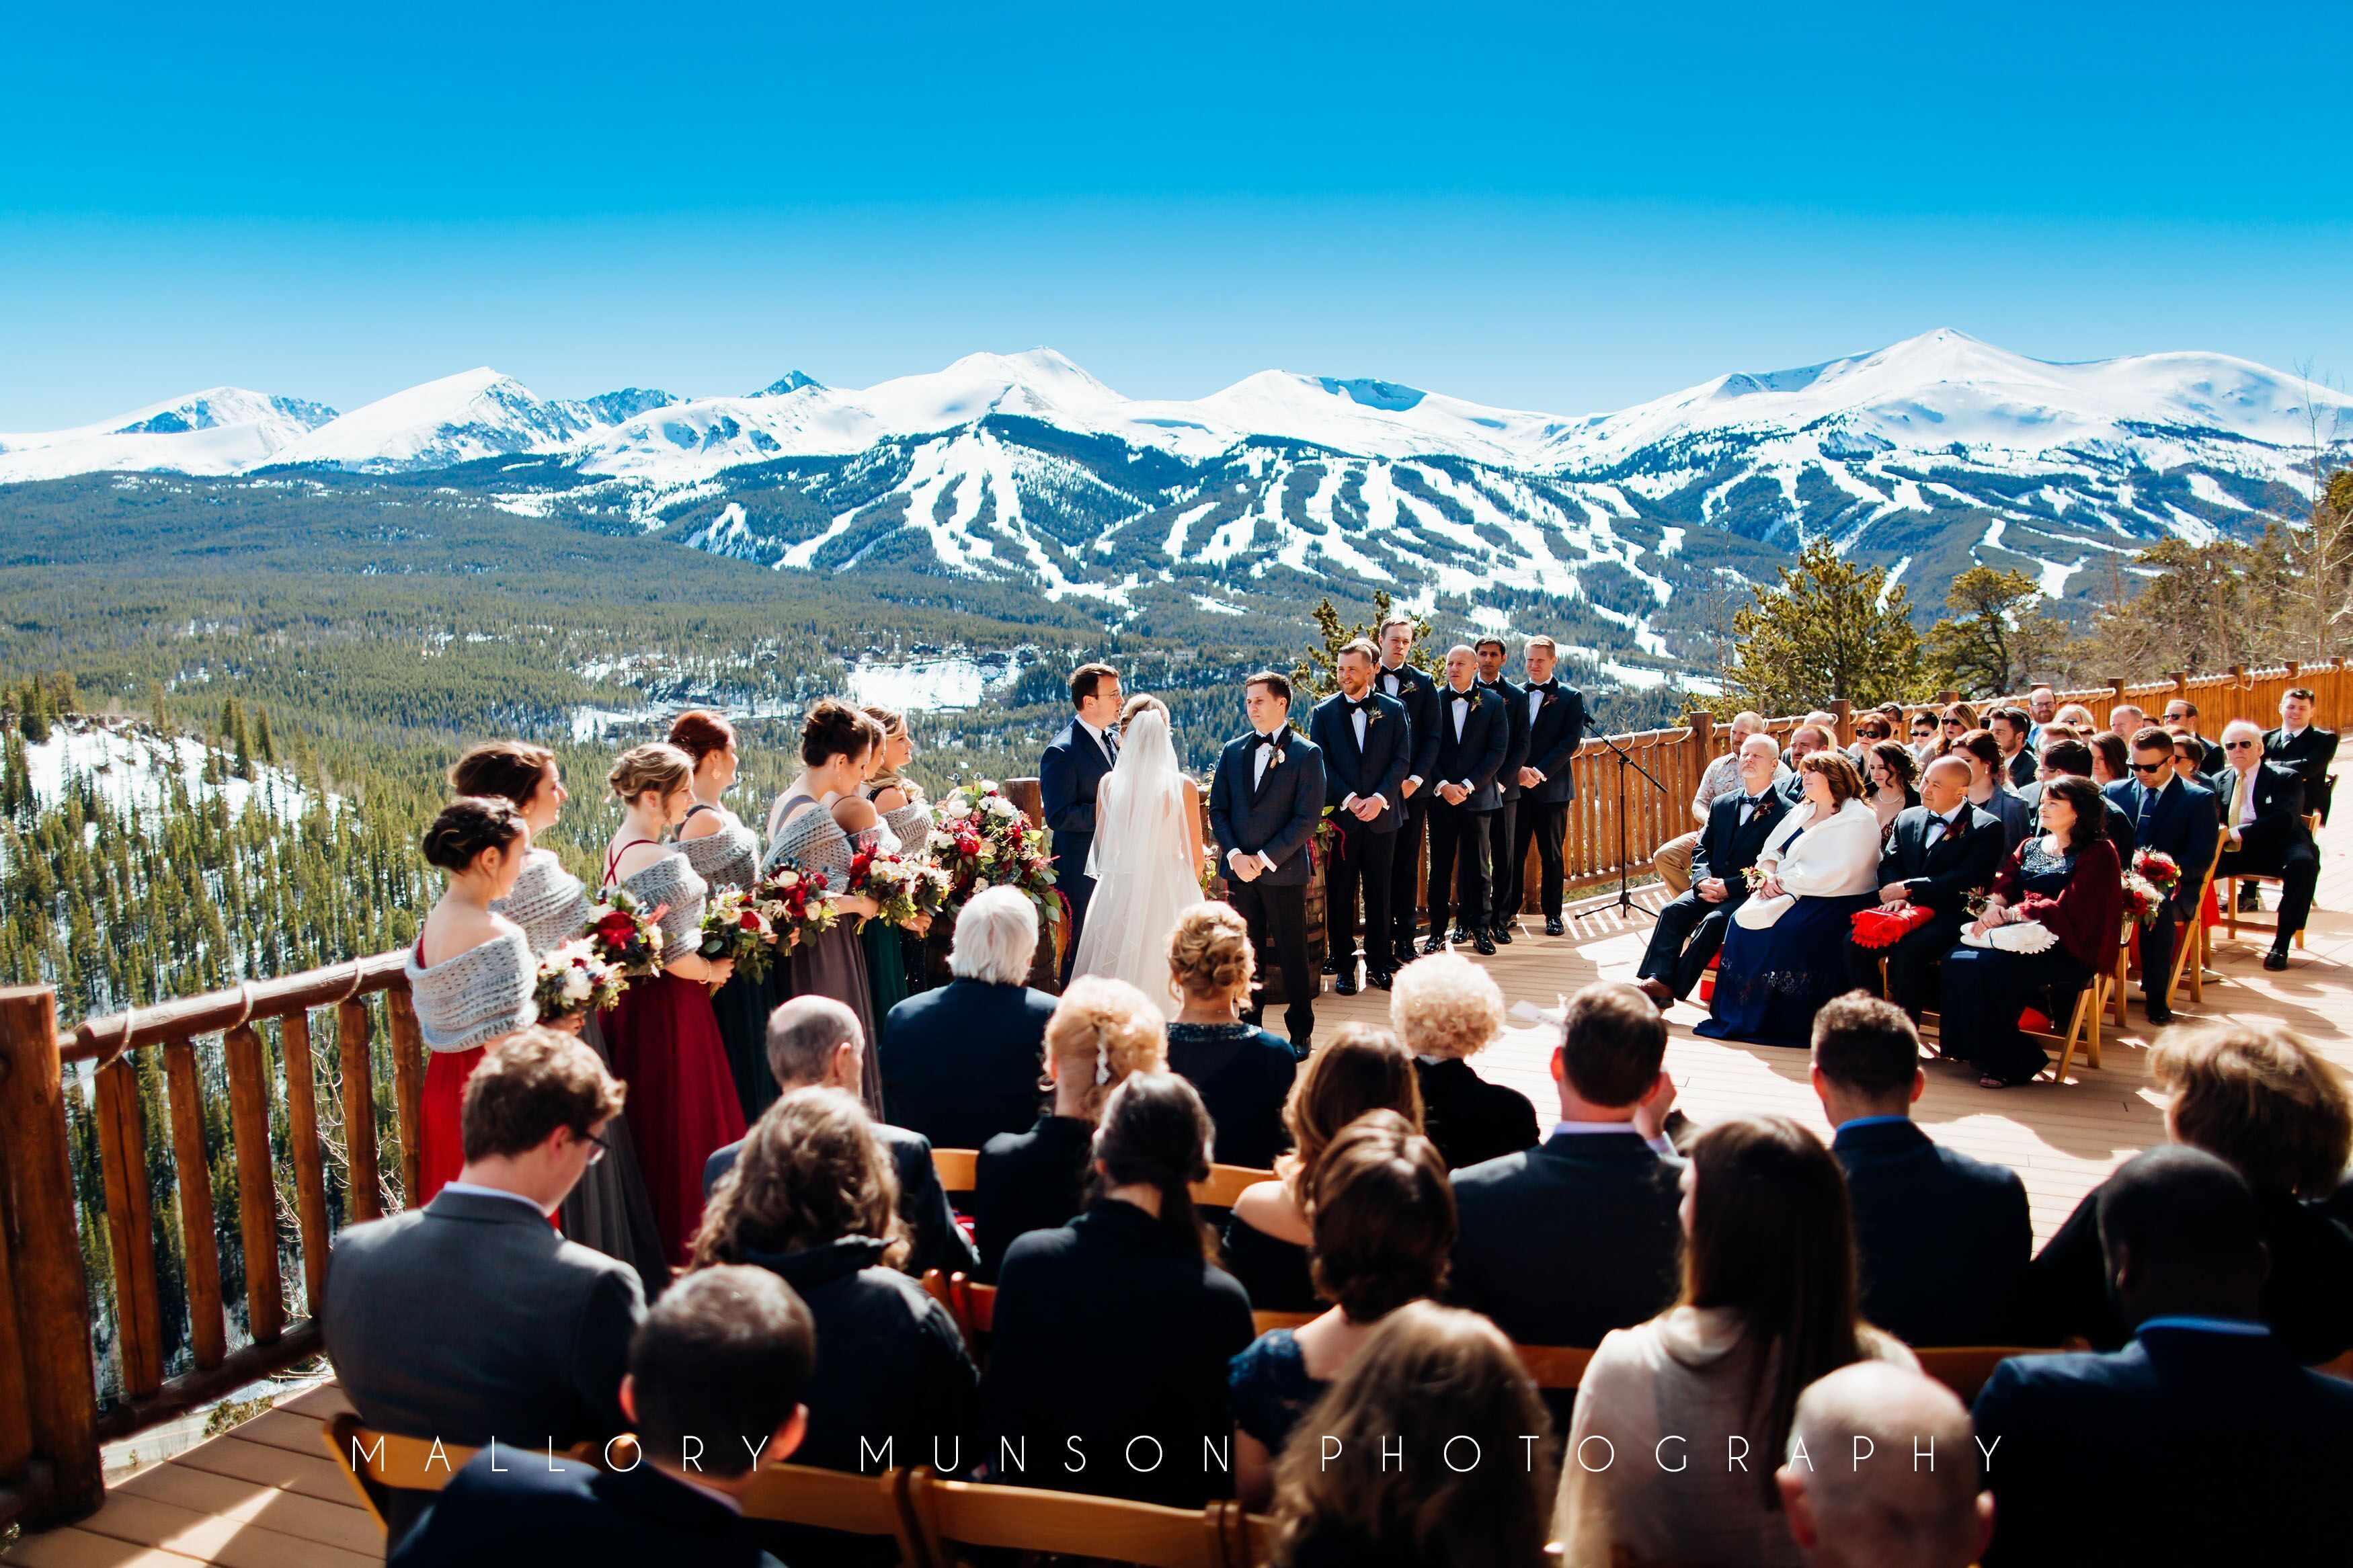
(2069, 758)
(1925, 747)
(472, 1319)
(815, 1041)
(1767, 1307)
(1989, 789)
(1101, 1030)
(2042, 709)
(1942, 851)
(1244, 1074)
(1362, 1068)
(1427, 1376)
(1889, 773)
(2128, 720)
(2263, 830)
(2301, 744)
(1672, 859)
(1857, 1500)
(2067, 879)
(713, 1392)
(1957, 719)
(813, 1201)
(2181, 719)
(1943, 1239)
(2256, 1096)
(1116, 1327)
(1447, 1009)
(1691, 926)
(2173, 817)
(1563, 1242)
(2011, 728)
(2190, 758)
(960, 1064)
(1804, 741)
(2072, 1437)
(1383, 1218)
(1784, 953)
(2111, 758)
(2077, 717)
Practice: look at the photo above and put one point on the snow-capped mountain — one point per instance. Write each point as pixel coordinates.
(217, 431)
(475, 414)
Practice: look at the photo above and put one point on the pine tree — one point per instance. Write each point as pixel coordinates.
(1317, 675)
(262, 743)
(1998, 637)
(1827, 629)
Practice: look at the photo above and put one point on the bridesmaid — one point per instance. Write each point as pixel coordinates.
(894, 958)
(607, 1208)
(817, 824)
(726, 854)
(471, 973)
(664, 1037)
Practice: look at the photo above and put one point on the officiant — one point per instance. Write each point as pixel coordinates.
(1367, 749)
(1264, 802)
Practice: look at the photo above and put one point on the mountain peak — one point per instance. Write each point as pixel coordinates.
(791, 381)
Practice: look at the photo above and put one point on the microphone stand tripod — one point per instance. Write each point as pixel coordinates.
(1625, 898)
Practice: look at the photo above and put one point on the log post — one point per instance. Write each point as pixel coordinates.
(257, 1190)
(56, 1403)
(1843, 710)
(129, 1226)
(206, 1326)
(364, 1201)
(310, 1160)
(407, 1088)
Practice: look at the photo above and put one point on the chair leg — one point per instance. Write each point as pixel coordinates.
(2116, 987)
(2230, 902)
(2067, 1042)
(2091, 1021)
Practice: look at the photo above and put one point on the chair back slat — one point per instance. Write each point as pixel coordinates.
(955, 1514)
(1226, 1183)
(955, 1168)
(1554, 1366)
(1267, 1322)
(837, 1500)
(378, 1464)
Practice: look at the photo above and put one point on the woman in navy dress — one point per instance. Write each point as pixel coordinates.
(1244, 1074)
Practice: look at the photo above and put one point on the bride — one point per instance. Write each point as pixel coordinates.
(1146, 856)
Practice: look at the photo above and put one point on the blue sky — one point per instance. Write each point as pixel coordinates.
(1550, 208)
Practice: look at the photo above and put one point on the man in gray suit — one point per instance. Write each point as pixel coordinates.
(472, 1319)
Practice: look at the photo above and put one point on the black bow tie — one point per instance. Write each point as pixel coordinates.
(1357, 704)
(1544, 686)
(1460, 696)
(1265, 744)
(1752, 801)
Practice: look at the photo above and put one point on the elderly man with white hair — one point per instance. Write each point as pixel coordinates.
(1883, 1473)
(1692, 925)
(1672, 859)
(2262, 813)
(960, 1064)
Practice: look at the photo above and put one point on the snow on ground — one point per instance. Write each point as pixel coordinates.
(132, 765)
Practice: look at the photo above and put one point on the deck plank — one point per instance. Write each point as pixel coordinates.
(232, 1542)
(342, 1524)
(312, 1476)
(74, 1547)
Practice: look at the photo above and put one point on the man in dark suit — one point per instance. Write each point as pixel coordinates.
(2073, 759)
(1264, 802)
(1070, 772)
(1938, 853)
(1366, 748)
(1563, 1242)
(714, 1390)
(1804, 740)
(1691, 926)
(1419, 693)
(2301, 744)
(472, 1318)
(1504, 884)
(2264, 835)
(2182, 717)
(2173, 817)
(2260, 1447)
(815, 1042)
(1473, 734)
(2011, 728)
(1943, 1240)
(1548, 784)
(960, 1062)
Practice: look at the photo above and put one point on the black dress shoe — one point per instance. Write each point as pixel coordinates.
(1380, 979)
(2159, 1014)
(1344, 986)
(1462, 934)
(1484, 943)
(1502, 934)
(1553, 926)
(2276, 959)
(1331, 966)
(2251, 899)
(1435, 944)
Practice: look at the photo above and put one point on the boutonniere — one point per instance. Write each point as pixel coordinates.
(1274, 759)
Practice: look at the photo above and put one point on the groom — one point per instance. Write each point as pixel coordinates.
(1263, 806)
(1068, 775)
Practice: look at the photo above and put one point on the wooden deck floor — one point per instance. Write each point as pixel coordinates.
(266, 1495)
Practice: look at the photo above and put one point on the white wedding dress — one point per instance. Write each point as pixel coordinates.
(1140, 863)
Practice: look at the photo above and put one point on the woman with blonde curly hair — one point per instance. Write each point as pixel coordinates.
(813, 1200)
(1244, 1074)
(1102, 1031)
(1447, 1010)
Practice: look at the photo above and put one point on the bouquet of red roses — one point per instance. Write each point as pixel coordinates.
(981, 839)
(625, 933)
(2143, 897)
(734, 926)
(2159, 870)
(572, 978)
(795, 904)
(904, 890)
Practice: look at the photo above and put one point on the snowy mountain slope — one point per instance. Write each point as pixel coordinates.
(217, 431)
(475, 413)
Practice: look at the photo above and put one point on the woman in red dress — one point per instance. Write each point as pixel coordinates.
(663, 1034)
(470, 973)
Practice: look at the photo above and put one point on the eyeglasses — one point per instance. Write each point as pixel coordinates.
(603, 1148)
(2152, 768)
(2238, 745)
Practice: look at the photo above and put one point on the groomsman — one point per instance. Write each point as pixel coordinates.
(1074, 764)
(1472, 735)
(1504, 886)
(2301, 744)
(1264, 802)
(1556, 732)
(1419, 693)
(1367, 746)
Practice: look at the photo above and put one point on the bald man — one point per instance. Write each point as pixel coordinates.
(1883, 1473)
(1938, 852)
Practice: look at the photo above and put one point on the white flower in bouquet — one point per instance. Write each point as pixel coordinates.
(577, 987)
(942, 841)
(999, 806)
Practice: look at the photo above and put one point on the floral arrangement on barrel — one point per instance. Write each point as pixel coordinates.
(906, 892)
(981, 839)
(734, 926)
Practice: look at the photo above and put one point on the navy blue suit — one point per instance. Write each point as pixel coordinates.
(1939, 877)
(2016, 816)
(530, 1510)
(1690, 930)
(1502, 824)
(960, 1063)
(2311, 755)
(1274, 816)
(1556, 734)
(1473, 759)
(1419, 693)
(2180, 820)
(2188, 1446)
(1364, 853)
(1943, 1240)
(1068, 772)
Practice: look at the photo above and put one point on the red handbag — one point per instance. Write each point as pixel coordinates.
(1877, 928)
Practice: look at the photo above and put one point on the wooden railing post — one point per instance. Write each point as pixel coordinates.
(1843, 710)
(365, 1199)
(310, 1169)
(47, 1379)
(201, 1248)
(257, 1189)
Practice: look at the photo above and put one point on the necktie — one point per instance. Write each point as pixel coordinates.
(2239, 799)
(2148, 799)
(1390, 679)
(1461, 710)
(1264, 756)
(1357, 704)
(1110, 745)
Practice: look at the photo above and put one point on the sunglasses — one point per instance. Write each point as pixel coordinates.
(1952, 723)
(2238, 745)
(2152, 768)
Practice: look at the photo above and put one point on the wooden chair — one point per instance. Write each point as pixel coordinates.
(2229, 895)
(955, 1515)
(1226, 1183)
(839, 1499)
(1555, 1367)
(1267, 1322)
(2083, 1024)
(955, 1168)
(2123, 970)
(2191, 944)
(379, 1463)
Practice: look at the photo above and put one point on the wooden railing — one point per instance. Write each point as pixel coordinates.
(51, 1424)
